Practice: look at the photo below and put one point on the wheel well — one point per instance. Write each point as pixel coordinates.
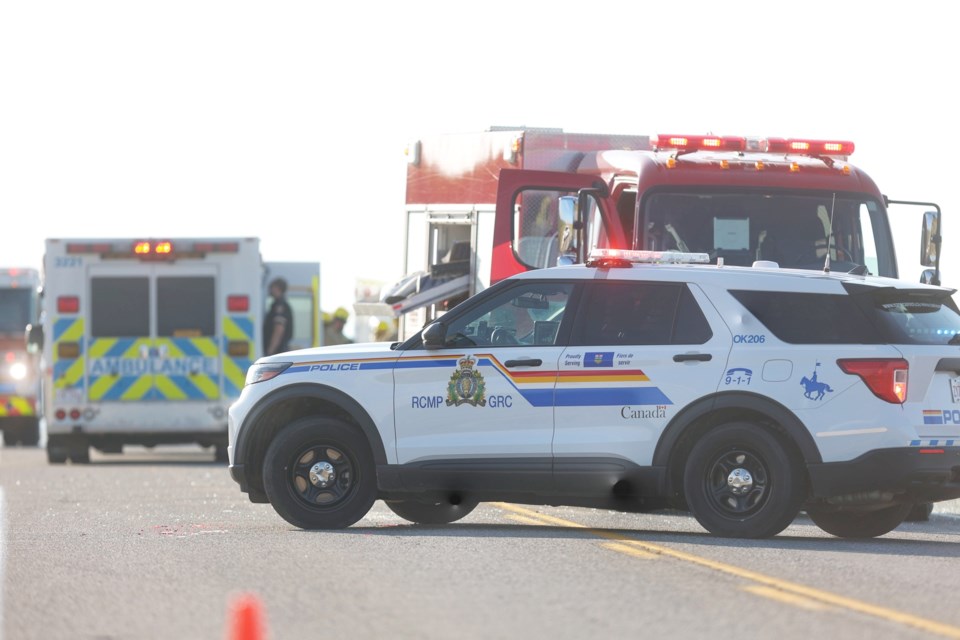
(698, 427)
(277, 411)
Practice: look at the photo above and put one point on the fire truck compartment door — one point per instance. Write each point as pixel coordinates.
(153, 334)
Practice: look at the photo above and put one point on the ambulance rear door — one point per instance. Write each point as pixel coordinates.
(153, 333)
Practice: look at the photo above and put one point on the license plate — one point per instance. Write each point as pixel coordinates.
(955, 388)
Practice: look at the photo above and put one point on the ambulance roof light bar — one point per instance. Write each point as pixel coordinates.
(688, 144)
(606, 258)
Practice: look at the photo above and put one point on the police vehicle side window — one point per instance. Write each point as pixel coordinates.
(638, 313)
(810, 318)
(523, 315)
(119, 307)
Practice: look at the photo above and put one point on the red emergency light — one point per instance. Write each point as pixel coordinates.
(238, 303)
(68, 304)
(89, 247)
(216, 247)
(807, 147)
(663, 142)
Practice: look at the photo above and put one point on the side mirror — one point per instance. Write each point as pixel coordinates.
(930, 239)
(434, 336)
(928, 276)
(34, 338)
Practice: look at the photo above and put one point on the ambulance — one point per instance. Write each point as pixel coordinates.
(147, 341)
(19, 378)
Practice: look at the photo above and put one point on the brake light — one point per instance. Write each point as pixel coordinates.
(238, 303)
(163, 248)
(885, 377)
(68, 304)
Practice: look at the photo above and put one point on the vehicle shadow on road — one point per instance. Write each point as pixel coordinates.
(815, 540)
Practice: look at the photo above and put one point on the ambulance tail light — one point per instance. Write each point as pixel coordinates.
(238, 348)
(885, 377)
(238, 303)
(807, 147)
(68, 304)
(68, 350)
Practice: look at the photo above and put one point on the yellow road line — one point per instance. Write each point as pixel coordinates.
(786, 598)
(627, 549)
(832, 599)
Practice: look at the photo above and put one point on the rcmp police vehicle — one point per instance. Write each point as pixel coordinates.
(743, 394)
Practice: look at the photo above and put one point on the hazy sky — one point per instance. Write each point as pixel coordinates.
(288, 120)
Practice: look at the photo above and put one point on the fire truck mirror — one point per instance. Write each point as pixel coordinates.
(929, 239)
(34, 338)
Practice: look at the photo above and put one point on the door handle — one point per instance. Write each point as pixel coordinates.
(698, 357)
(524, 362)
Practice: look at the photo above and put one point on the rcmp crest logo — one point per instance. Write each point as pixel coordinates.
(466, 385)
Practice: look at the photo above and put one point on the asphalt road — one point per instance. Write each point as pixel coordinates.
(161, 544)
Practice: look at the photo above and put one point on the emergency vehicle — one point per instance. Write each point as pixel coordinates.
(19, 371)
(637, 381)
(147, 341)
(483, 206)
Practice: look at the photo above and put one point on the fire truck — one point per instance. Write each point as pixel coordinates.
(147, 342)
(483, 206)
(19, 374)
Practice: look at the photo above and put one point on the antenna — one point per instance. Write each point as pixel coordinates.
(826, 262)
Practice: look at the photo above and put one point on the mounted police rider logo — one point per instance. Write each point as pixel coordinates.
(466, 385)
(814, 390)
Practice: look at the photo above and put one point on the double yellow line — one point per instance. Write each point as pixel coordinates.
(763, 585)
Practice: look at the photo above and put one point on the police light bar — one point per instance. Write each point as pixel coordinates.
(663, 142)
(806, 147)
(626, 257)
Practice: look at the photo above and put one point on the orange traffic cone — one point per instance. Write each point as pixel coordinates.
(246, 618)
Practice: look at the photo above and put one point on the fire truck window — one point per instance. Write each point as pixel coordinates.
(186, 307)
(536, 228)
(119, 307)
(14, 310)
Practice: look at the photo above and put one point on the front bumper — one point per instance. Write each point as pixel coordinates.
(914, 474)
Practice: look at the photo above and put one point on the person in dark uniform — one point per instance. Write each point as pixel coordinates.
(278, 323)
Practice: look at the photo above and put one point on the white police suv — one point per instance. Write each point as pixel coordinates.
(742, 394)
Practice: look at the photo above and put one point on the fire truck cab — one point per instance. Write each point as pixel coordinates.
(482, 207)
(19, 377)
(147, 342)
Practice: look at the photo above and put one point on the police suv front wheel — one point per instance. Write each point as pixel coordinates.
(741, 482)
(443, 512)
(318, 473)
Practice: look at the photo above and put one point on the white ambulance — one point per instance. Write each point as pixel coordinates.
(147, 341)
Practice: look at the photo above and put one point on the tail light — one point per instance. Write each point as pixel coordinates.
(885, 377)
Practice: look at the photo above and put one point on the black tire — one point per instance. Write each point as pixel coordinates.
(858, 523)
(338, 459)
(10, 436)
(80, 454)
(30, 436)
(220, 453)
(740, 481)
(920, 512)
(57, 454)
(443, 512)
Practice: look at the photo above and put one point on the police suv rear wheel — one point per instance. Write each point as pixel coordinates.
(741, 482)
(318, 473)
(443, 512)
(859, 523)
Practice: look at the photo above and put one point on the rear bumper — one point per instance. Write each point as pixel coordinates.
(915, 474)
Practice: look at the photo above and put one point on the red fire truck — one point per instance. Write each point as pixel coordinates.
(483, 206)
